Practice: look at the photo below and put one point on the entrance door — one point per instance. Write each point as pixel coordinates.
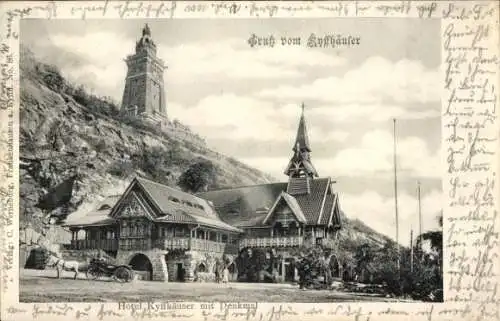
(289, 270)
(180, 272)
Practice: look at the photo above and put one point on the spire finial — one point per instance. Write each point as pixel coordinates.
(302, 106)
(146, 30)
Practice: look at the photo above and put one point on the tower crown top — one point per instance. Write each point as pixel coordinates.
(146, 42)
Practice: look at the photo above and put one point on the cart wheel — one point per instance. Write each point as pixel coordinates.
(122, 274)
(93, 274)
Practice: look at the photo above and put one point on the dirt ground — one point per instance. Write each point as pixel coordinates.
(42, 286)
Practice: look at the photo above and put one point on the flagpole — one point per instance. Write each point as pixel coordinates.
(419, 214)
(411, 250)
(396, 197)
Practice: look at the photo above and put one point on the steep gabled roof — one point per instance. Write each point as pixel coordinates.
(238, 206)
(335, 218)
(292, 204)
(165, 196)
(98, 217)
(312, 203)
(166, 204)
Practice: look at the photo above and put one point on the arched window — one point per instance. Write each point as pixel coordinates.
(201, 268)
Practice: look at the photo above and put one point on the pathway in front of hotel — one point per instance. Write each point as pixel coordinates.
(43, 286)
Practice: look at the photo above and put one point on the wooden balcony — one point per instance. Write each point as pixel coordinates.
(107, 245)
(193, 244)
(211, 246)
(174, 243)
(289, 241)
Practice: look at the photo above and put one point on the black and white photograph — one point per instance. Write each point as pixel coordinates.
(230, 160)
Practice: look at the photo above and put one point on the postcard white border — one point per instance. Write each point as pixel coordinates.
(464, 16)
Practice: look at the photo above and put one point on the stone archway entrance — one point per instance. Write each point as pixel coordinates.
(142, 266)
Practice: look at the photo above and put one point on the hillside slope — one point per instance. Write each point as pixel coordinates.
(78, 143)
(75, 150)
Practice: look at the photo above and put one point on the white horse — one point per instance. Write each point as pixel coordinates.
(62, 265)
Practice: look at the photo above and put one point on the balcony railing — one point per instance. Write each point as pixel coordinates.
(196, 245)
(288, 241)
(107, 245)
(211, 246)
(175, 243)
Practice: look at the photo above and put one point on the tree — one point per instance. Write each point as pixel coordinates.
(198, 177)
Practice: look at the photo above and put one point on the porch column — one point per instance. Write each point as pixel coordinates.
(77, 243)
(283, 270)
(73, 239)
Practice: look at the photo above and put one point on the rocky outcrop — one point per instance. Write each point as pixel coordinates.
(75, 149)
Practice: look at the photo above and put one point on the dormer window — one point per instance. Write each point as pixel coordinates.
(188, 204)
(173, 199)
(104, 207)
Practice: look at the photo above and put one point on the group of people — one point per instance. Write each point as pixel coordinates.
(304, 269)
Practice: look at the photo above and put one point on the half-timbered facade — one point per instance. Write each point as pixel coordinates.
(176, 235)
(162, 231)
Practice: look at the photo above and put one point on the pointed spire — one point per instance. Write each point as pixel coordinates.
(302, 139)
(146, 30)
(300, 164)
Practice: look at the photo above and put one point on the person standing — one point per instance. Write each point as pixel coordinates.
(217, 276)
(225, 278)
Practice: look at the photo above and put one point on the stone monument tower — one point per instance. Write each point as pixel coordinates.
(144, 93)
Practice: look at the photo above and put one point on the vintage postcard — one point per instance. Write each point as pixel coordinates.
(249, 160)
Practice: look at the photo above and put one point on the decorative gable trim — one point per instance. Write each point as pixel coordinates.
(133, 206)
(130, 190)
(297, 212)
(335, 208)
(324, 199)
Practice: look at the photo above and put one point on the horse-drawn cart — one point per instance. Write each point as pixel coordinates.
(98, 268)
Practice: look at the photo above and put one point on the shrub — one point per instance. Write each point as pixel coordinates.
(198, 177)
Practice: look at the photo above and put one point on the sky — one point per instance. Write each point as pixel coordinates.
(246, 100)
